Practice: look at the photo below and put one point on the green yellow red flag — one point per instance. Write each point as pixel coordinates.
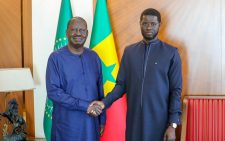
(102, 42)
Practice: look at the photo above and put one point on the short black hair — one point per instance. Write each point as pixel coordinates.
(78, 18)
(152, 12)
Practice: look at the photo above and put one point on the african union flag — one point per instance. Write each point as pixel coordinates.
(60, 40)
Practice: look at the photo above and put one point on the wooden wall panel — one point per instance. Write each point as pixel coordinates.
(28, 62)
(10, 44)
(10, 37)
(192, 26)
(16, 51)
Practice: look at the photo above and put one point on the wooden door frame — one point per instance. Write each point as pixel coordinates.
(27, 61)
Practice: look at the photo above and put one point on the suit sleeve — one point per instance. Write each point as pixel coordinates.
(56, 93)
(175, 81)
(120, 87)
(102, 117)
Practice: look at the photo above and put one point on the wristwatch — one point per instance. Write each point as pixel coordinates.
(174, 125)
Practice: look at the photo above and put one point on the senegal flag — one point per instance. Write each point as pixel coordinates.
(60, 40)
(102, 42)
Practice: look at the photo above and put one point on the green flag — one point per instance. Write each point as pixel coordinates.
(102, 42)
(60, 40)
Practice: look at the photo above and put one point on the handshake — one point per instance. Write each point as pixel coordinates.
(95, 108)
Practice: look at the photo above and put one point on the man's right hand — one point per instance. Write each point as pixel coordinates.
(99, 103)
(95, 108)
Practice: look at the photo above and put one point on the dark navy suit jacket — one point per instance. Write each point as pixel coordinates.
(153, 84)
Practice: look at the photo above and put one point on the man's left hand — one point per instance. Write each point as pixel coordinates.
(102, 127)
(170, 134)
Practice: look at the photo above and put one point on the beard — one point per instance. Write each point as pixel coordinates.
(149, 37)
